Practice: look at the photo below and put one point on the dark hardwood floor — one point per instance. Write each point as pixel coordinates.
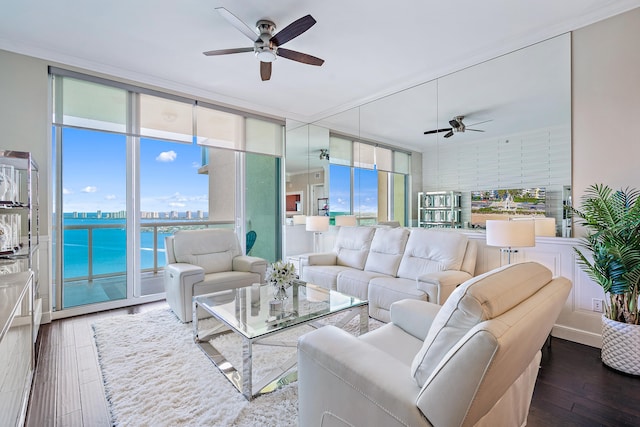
(573, 388)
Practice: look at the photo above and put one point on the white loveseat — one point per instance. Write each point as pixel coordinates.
(204, 261)
(473, 361)
(384, 265)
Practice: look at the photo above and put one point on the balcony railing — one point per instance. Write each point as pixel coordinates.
(168, 227)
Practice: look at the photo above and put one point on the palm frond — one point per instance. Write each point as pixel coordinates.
(612, 221)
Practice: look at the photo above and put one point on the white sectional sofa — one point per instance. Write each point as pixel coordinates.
(473, 361)
(384, 265)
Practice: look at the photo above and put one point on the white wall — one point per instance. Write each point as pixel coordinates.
(24, 102)
(606, 103)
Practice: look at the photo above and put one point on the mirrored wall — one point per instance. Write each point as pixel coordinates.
(504, 124)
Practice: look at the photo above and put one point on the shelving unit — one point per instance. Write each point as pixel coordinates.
(440, 209)
(323, 206)
(19, 223)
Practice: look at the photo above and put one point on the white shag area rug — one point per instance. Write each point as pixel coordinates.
(155, 375)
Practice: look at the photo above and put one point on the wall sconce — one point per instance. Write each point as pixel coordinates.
(346, 221)
(317, 224)
(510, 234)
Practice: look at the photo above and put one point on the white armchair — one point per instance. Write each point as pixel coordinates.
(204, 261)
(473, 361)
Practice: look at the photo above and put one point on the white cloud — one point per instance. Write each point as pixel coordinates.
(89, 189)
(110, 197)
(177, 205)
(167, 156)
(195, 165)
(66, 191)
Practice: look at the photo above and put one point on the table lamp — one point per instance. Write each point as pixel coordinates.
(317, 224)
(299, 219)
(510, 234)
(346, 221)
(544, 225)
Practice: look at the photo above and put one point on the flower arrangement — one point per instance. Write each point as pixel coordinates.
(281, 274)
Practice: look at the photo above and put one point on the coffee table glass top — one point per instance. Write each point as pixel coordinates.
(252, 312)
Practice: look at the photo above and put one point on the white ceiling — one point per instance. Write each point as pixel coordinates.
(371, 48)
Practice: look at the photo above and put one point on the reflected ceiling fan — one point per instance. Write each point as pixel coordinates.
(456, 126)
(266, 45)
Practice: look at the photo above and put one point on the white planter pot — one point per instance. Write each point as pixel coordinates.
(621, 346)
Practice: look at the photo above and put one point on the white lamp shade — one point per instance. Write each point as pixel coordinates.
(346, 220)
(299, 219)
(511, 234)
(317, 223)
(544, 226)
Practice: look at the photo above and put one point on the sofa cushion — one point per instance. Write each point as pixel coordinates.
(212, 249)
(428, 251)
(481, 298)
(352, 246)
(384, 291)
(215, 282)
(356, 282)
(386, 250)
(325, 276)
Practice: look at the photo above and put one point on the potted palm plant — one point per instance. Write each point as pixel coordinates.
(610, 256)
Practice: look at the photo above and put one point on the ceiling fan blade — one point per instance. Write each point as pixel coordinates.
(265, 70)
(475, 130)
(479, 123)
(236, 22)
(437, 130)
(449, 135)
(227, 51)
(299, 56)
(293, 30)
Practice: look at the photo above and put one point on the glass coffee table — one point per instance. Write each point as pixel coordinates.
(253, 314)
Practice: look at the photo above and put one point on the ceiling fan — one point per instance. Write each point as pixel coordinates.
(266, 45)
(456, 126)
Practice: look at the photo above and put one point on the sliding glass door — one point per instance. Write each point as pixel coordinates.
(93, 217)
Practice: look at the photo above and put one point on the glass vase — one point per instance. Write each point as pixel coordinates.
(279, 291)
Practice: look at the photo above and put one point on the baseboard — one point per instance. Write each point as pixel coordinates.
(577, 335)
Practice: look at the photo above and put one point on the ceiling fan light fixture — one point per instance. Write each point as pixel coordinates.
(264, 54)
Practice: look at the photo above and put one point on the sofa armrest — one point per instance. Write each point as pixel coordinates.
(440, 284)
(414, 316)
(324, 258)
(338, 372)
(181, 269)
(250, 264)
(178, 285)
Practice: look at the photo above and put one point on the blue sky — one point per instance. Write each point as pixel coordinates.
(94, 174)
(365, 190)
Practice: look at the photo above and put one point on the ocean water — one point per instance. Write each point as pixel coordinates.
(109, 248)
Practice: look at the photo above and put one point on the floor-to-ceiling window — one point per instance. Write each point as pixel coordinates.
(131, 168)
(94, 178)
(368, 181)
